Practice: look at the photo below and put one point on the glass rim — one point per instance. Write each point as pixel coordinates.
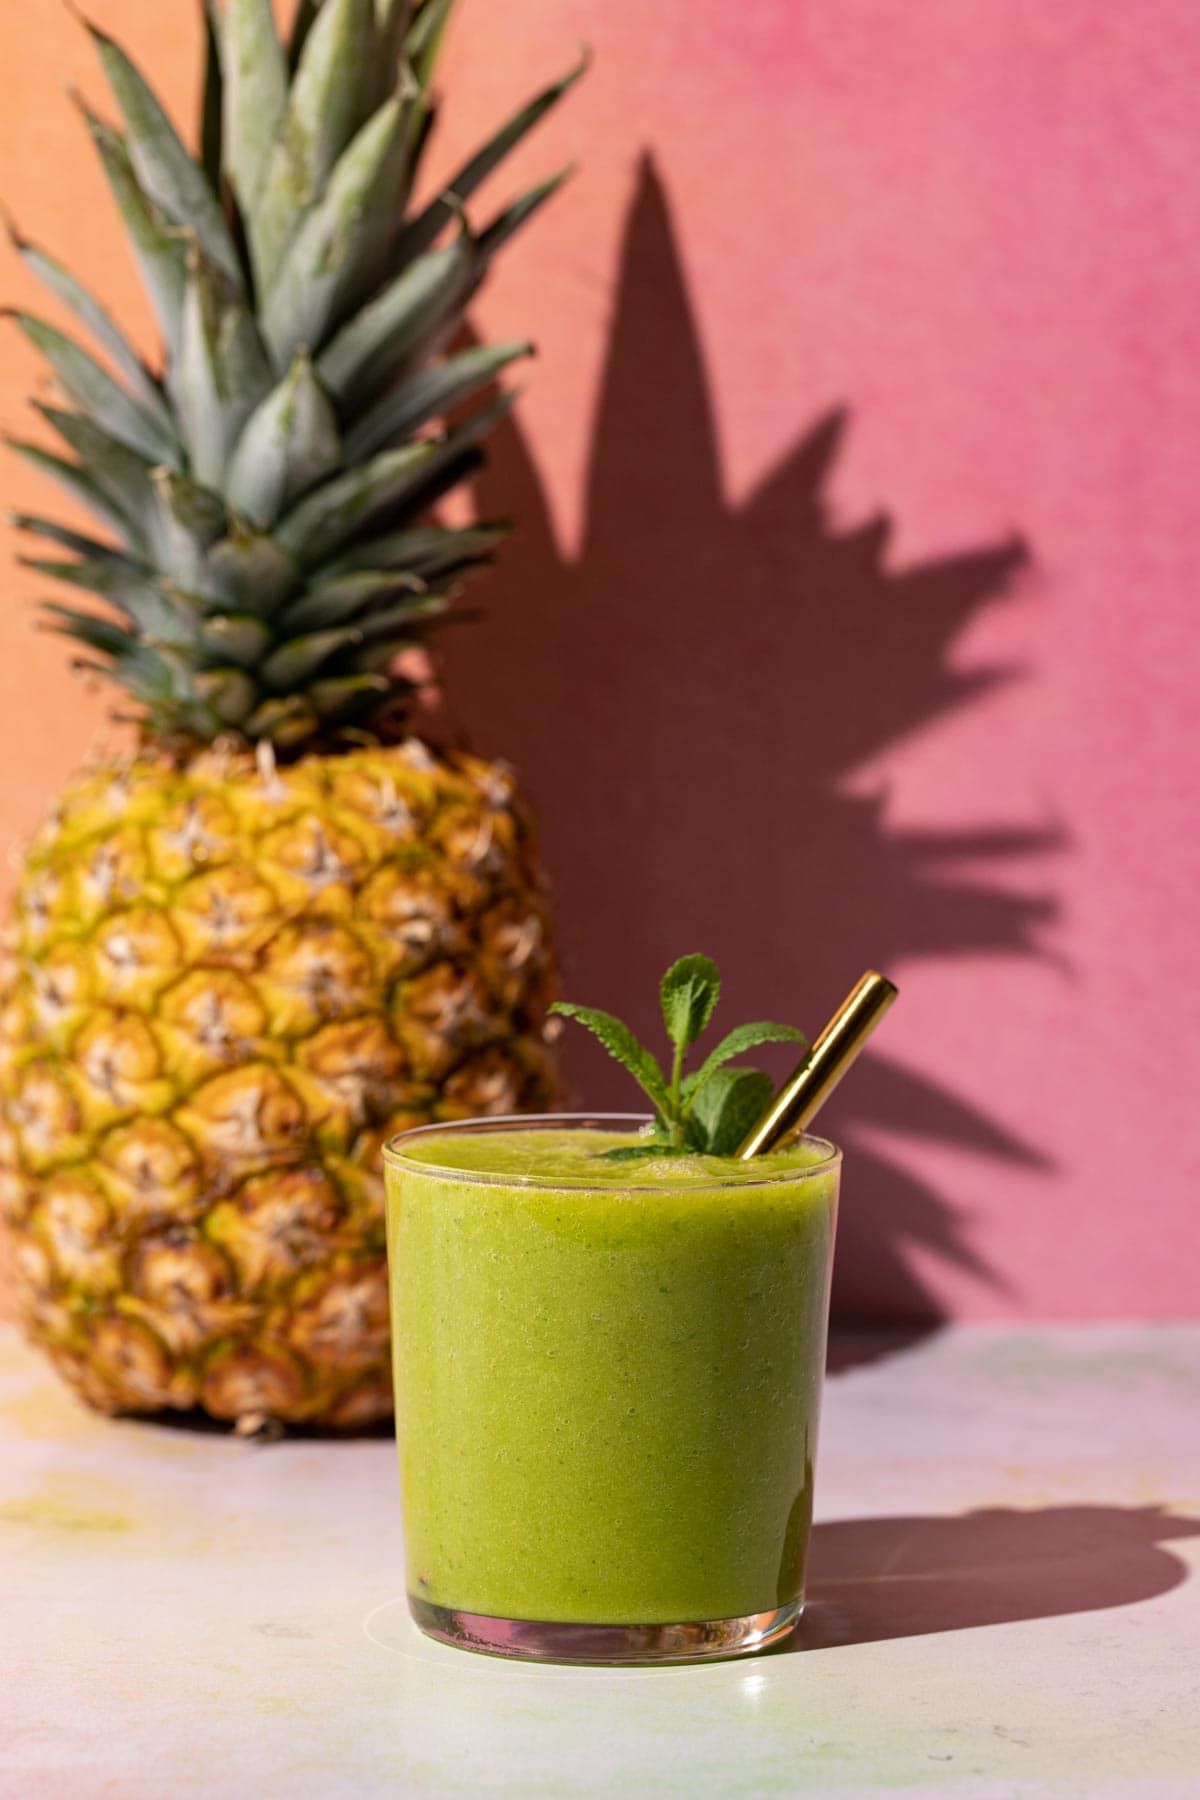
(601, 1121)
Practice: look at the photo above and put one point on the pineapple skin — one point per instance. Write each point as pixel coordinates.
(228, 985)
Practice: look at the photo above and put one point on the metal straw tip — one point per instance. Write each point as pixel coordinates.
(810, 1085)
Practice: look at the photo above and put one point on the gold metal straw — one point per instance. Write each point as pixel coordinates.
(801, 1097)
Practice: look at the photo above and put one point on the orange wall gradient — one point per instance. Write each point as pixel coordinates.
(921, 688)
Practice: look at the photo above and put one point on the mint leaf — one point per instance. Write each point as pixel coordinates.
(741, 1039)
(689, 992)
(730, 1104)
(620, 1042)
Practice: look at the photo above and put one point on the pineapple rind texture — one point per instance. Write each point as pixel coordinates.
(228, 985)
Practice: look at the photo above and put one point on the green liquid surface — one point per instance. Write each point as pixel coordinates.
(608, 1374)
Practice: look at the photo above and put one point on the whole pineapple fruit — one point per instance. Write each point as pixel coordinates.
(282, 928)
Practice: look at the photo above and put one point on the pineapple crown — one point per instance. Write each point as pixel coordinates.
(268, 547)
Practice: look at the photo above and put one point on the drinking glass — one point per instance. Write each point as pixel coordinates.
(607, 1388)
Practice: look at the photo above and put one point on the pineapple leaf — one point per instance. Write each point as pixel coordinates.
(449, 454)
(124, 585)
(391, 29)
(392, 18)
(392, 623)
(220, 371)
(60, 534)
(323, 521)
(342, 693)
(228, 693)
(431, 487)
(728, 1108)
(290, 666)
(425, 37)
(449, 449)
(190, 506)
(252, 570)
(335, 602)
(418, 235)
(186, 520)
(104, 572)
(285, 722)
(107, 469)
(96, 320)
(427, 550)
(157, 676)
(620, 1042)
(737, 1043)
(104, 635)
(399, 490)
(159, 681)
(160, 617)
(243, 371)
(506, 224)
(423, 123)
(255, 75)
(96, 394)
(456, 571)
(259, 548)
(166, 172)
(326, 107)
(157, 246)
(212, 97)
(427, 394)
(235, 637)
(393, 326)
(330, 96)
(289, 444)
(338, 245)
(306, 18)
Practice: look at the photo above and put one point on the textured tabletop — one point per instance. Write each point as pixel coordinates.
(1003, 1602)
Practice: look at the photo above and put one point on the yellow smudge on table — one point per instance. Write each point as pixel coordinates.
(59, 1505)
(286, 1706)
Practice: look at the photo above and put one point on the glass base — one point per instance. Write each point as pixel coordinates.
(534, 1640)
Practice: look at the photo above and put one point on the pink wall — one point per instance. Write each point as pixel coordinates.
(757, 727)
(757, 720)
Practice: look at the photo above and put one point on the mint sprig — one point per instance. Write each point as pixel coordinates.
(620, 1042)
(709, 1111)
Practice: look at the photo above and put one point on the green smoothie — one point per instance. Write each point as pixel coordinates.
(608, 1373)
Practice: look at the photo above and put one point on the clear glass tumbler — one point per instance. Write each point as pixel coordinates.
(608, 1379)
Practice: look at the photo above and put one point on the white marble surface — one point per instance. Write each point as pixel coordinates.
(1005, 1602)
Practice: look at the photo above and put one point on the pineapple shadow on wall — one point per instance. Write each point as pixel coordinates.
(706, 810)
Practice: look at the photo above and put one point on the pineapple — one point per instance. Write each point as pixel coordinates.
(282, 927)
